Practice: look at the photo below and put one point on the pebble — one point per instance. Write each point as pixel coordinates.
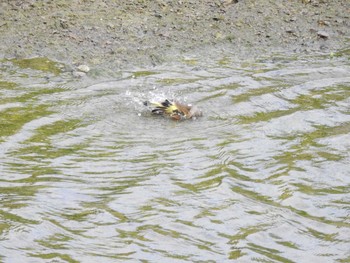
(83, 68)
(78, 74)
(323, 34)
(64, 24)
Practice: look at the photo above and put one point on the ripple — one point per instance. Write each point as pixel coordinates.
(88, 174)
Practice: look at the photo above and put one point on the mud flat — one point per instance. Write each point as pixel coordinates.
(125, 34)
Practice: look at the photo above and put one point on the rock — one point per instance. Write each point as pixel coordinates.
(78, 74)
(158, 15)
(110, 26)
(64, 24)
(323, 34)
(291, 32)
(323, 23)
(83, 68)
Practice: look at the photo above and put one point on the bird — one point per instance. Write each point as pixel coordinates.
(174, 109)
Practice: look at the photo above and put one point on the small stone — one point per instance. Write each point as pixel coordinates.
(64, 23)
(292, 32)
(83, 68)
(110, 26)
(158, 15)
(323, 34)
(78, 74)
(323, 23)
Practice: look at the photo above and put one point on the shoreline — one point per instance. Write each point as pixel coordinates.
(145, 34)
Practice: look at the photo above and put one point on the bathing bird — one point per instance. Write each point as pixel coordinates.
(174, 109)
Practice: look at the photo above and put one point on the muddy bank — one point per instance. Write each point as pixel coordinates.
(125, 34)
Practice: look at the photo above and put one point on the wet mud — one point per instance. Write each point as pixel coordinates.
(127, 34)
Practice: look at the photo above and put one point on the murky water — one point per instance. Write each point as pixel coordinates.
(88, 175)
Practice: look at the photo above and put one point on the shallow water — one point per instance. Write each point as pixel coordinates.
(88, 175)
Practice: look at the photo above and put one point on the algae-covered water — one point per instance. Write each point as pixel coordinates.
(87, 174)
